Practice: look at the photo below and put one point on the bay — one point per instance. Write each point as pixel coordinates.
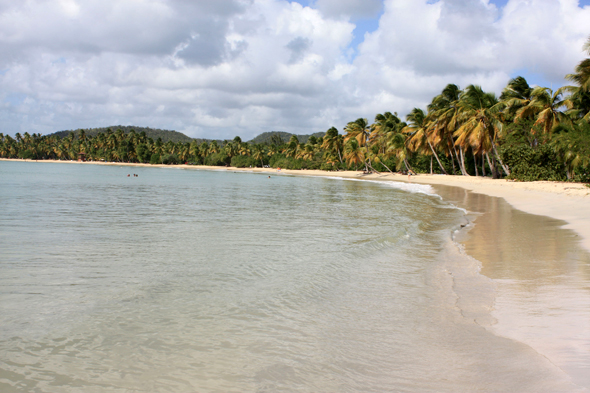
(183, 280)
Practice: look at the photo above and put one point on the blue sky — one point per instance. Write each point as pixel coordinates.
(217, 69)
(367, 25)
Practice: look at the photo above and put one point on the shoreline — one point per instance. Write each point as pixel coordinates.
(502, 314)
(569, 202)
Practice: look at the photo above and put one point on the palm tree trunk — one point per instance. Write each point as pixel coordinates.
(504, 167)
(386, 167)
(431, 165)
(474, 162)
(462, 162)
(407, 164)
(483, 166)
(375, 170)
(453, 162)
(492, 165)
(437, 159)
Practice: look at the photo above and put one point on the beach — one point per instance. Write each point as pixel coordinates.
(532, 239)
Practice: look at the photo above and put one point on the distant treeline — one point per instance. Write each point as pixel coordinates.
(280, 137)
(154, 133)
(528, 133)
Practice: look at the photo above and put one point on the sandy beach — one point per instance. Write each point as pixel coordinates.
(536, 266)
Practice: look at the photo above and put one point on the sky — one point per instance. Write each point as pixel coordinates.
(225, 68)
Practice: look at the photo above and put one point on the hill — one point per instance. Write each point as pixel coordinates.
(280, 137)
(153, 133)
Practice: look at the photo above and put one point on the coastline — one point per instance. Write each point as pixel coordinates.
(492, 203)
(569, 202)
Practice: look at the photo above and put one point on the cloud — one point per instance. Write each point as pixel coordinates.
(241, 67)
(349, 8)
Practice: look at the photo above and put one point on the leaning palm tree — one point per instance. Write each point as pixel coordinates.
(354, 153)
(480, 126)
(332, 143)
(292, 147)
(397, 146)
(361, 131)
(417, 131)
(442, 120)
(385, 124)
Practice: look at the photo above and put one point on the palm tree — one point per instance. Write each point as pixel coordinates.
(442, 120)
(418, 132)
(545, 106)
(307, 152)
(292, 147)
(577, 103)
(214, 148)
(479, 125)
(397, 146)
(582, 75)
(384, 125)
(516, 95)
(359, 130)
(194, 150)
(258, 154)
(332, 142)
(353, 153)
(572, 145)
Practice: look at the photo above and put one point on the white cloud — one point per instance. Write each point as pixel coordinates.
(349, 8)
(240, 67)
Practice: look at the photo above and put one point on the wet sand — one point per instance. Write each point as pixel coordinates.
(532, 239)
(541, 276)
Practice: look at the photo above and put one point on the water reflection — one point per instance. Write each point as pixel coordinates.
(542, 277)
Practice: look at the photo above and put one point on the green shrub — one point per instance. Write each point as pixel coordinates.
(170, 159)
(27, 154)
(217, 159)
(155, 159)
(142, 152)
(329, 167)
(531, 164)
(243, 162)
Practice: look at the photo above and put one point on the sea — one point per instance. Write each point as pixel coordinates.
(150, 279)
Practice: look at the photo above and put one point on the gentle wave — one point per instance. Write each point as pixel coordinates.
(409, 187)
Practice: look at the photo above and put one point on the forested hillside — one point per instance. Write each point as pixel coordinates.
(153, 133)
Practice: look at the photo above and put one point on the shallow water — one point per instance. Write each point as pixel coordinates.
(541, 276)
(182, 280)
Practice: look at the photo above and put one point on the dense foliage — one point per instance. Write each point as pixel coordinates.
(528, 133)
(153, 133)
(280, 137)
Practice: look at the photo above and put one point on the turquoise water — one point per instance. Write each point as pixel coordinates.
(185, 280)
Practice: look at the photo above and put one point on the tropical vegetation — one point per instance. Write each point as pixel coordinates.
(527, 133)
